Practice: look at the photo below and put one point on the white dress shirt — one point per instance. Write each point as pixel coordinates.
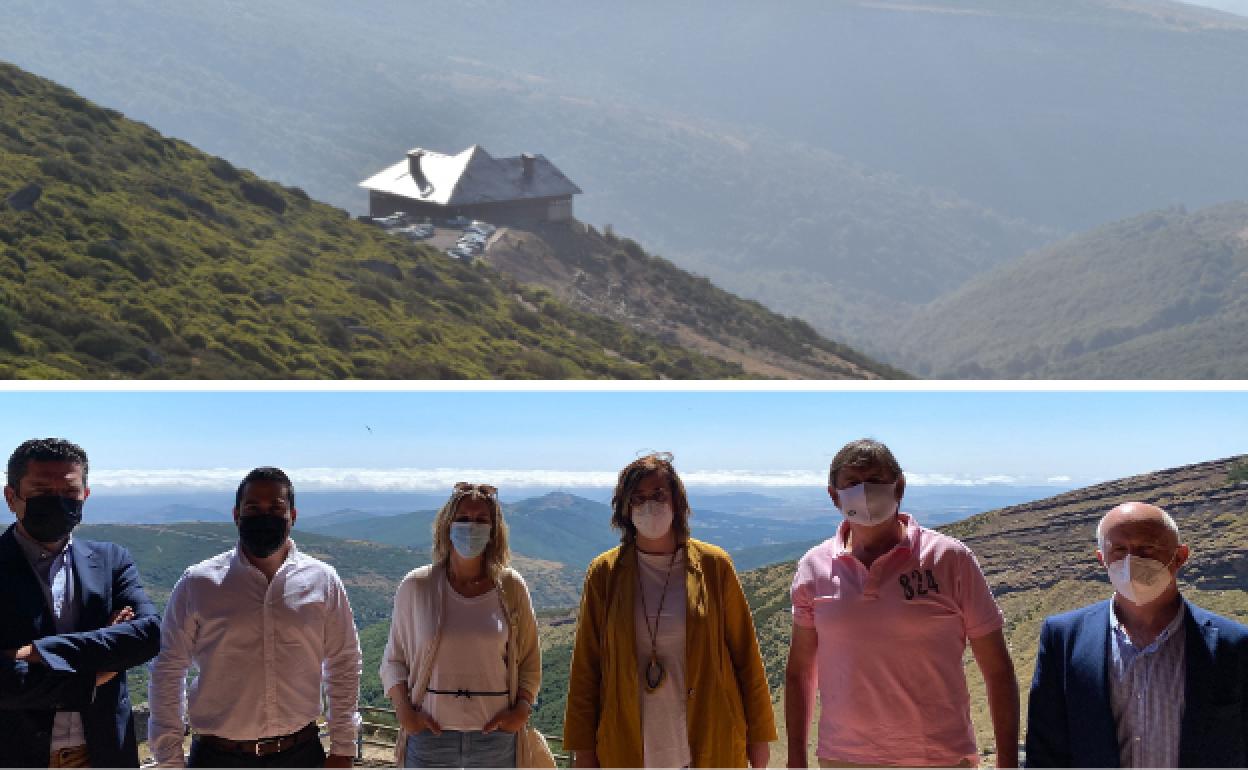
(263, 650)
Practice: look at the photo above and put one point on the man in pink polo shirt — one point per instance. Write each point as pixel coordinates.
(881, 617)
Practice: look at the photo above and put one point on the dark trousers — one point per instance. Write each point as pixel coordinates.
(310, 754)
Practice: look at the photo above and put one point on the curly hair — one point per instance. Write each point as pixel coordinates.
(497, 554)
(626, 484)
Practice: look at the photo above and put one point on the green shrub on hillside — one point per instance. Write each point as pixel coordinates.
(1238, 473)
(143, 257)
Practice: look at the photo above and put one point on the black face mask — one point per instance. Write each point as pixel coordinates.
(50, 518)
(262, 533)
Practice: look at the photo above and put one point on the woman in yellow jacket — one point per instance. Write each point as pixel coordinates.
(666, 670)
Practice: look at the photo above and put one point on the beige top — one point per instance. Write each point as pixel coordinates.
(665, 734)
(416, 632)
(473, 658)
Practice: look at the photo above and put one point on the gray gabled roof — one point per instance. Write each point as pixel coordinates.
(472, 176)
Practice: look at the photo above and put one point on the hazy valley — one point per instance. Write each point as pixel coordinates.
(865, 184)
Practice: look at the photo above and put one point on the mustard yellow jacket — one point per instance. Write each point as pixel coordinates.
(729, 703)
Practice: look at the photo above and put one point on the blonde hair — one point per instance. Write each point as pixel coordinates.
(497, 554)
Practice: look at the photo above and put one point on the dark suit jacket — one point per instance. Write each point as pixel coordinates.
(1069, 720)
(30, 694)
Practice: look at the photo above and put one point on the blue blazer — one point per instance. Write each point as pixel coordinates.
(1069, 720)
(30, 694)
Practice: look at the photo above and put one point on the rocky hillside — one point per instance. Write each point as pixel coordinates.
(1040, 559)
(614, 277)
(124, 253)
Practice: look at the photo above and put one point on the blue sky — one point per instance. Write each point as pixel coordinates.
(358, 439)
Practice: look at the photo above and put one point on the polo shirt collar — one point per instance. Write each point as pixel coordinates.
(909, 539)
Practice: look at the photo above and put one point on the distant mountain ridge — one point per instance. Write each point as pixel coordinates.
(572, 530)
(1163, 295)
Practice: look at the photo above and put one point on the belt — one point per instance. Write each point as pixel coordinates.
(465, 693)
(264, 746)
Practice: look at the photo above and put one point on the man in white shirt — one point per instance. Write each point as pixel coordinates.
(266, 626)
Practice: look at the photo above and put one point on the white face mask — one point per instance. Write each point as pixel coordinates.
(1139, 580)
(868, 504)
(470, 537)
(652, 519)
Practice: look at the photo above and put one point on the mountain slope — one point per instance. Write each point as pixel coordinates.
(123, 253)
(1159, 296)
(911, 145)
(613, 277)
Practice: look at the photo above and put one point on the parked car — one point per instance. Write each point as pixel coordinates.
(416, 232)
(458, 253)
(485, 228)
(458, 222)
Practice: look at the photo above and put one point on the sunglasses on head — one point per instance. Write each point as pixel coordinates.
(464, 487)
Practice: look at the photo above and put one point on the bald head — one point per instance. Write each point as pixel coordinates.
(1138, 516)
(1140, 529)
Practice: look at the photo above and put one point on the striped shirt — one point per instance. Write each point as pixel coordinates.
(1147, 693)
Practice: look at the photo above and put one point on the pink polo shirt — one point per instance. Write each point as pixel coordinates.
(891, 641)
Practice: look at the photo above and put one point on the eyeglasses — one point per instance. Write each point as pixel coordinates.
(658, 496)
(464, 487)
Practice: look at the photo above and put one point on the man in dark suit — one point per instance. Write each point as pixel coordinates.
(1146, 679)
(74, 618)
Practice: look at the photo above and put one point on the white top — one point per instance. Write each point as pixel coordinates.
(263, 650)
(473, 657)
(665, 734)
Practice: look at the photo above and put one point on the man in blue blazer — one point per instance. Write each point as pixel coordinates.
(74, 618)
(1146, 679)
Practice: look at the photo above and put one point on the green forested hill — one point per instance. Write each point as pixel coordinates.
(127, 254)
(1160, 296)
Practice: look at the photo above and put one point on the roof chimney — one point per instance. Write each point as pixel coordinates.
(413, 163)
(528, 161)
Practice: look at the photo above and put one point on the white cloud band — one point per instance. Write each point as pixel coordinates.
(438, 479)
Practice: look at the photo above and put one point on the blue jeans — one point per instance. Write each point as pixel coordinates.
(453, 748)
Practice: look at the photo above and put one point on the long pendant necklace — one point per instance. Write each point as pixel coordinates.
(655, 673)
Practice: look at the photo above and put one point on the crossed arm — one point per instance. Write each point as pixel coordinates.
(61, 671)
